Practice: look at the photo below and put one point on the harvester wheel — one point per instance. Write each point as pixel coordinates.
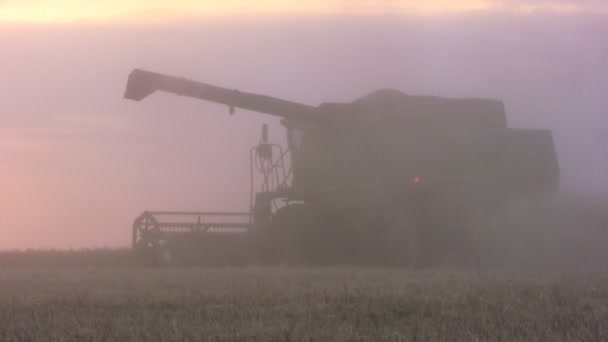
(293, 227)
(272, 242)
(300, 237)
(402, 242)
(146, 238)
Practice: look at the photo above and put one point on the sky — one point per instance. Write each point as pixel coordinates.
(70, 11)
(78, 162)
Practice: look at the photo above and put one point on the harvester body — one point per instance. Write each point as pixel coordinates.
(377, 179)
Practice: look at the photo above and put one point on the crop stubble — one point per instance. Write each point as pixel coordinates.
(298, 304)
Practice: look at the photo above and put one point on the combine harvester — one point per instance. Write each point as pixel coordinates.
(388, 179)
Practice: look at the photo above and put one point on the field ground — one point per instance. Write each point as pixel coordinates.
(282, 304)
(541, 276)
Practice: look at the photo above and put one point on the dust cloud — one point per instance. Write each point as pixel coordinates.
(562, 234)
(87, 179)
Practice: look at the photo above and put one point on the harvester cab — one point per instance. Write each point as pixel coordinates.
(375, 180)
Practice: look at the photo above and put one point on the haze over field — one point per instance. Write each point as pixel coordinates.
(78, 162)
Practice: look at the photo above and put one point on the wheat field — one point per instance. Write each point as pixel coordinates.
(555, 291)
(116, 303)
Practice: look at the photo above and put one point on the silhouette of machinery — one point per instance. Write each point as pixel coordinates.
(387, 179)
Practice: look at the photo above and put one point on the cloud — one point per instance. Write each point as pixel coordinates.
(557, 6)
(91, 122)
(69, 11)
(68, 125)
(49, 138)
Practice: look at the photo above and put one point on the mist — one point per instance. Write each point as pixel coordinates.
(78, 162)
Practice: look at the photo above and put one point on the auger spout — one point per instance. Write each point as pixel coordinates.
(143, 83)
